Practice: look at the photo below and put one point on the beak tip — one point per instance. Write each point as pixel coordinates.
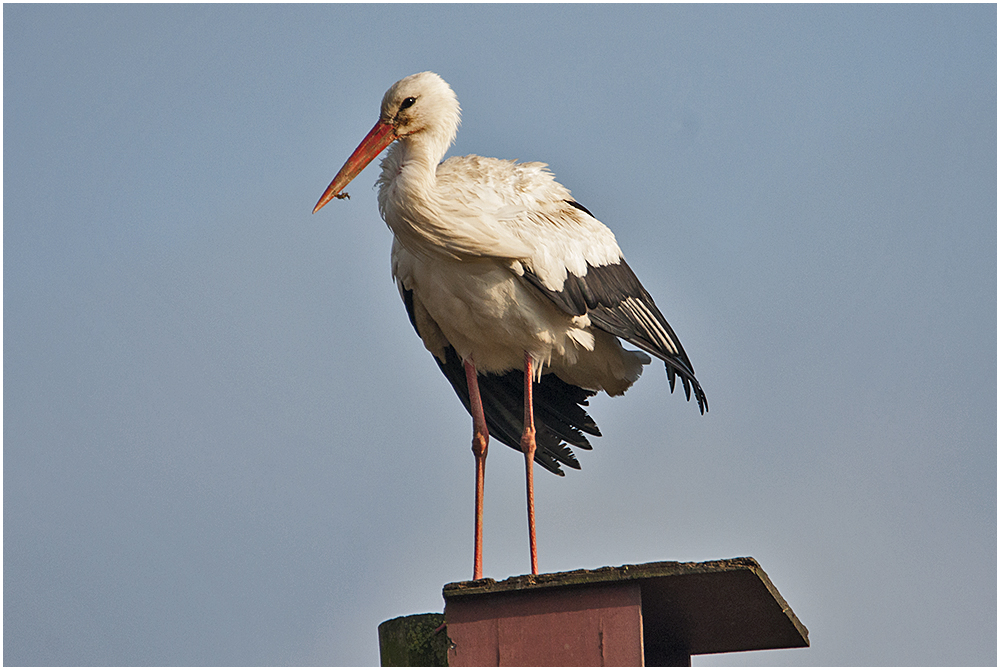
(328, 196)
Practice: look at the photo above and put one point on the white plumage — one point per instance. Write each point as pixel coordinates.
(502, 271)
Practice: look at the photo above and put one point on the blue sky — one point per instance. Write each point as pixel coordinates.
(224, 445)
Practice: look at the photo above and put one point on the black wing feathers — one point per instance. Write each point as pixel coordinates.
(581, 208)
(576, 297)
(560, 419)
(616, 302)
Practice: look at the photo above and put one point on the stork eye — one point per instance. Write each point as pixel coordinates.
(407, 103)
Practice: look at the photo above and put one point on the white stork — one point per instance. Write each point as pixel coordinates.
(502, 271)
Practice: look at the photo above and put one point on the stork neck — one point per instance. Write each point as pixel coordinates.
(407, 188)
(417, 161)
(411, 205)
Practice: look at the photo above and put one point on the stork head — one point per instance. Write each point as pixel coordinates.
(420, 109)
(422, 103)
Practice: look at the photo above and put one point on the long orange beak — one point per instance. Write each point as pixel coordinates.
(381, 136)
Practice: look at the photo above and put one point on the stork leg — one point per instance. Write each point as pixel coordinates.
(528, 446)
(480, 441)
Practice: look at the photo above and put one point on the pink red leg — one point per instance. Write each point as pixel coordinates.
(528, 446)
(480, 441)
